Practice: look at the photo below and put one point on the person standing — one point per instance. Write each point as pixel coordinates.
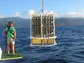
(10, 34)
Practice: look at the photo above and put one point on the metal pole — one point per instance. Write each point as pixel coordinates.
(41, 21)
(42, 5)
(54, 28)
(30, 28)
(41, 26)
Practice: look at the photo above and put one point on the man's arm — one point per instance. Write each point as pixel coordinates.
(5, 34)
(14, 35)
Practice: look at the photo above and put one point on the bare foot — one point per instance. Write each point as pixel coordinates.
(8, 53)
(14, 54)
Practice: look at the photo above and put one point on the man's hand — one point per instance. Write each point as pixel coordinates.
(13, 37)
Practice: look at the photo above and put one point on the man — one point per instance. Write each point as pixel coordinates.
(10, 34)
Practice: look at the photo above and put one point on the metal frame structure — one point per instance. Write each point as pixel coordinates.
(42, 34)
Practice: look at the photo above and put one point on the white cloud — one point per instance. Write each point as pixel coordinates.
(46, 12)
(28, 14)
(1, 16)
(71, 13)
(82, 10)
(17, 14)
(75, 14)
(31, 12)
(51, 12)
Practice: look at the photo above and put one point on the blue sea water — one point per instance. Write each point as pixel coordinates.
(70, 48)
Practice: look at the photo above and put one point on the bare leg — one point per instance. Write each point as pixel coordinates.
(13, 49)
(8, 46)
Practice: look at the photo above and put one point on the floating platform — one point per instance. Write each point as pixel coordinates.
(5, 56)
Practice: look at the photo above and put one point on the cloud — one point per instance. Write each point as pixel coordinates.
(31, 12)
(75, 14)
(1, 16)
(17, 14)
(28, 14)
(52, 12)
(82, 10)
(49, 12)
(71, 13)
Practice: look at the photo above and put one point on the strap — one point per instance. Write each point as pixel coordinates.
(9, 30)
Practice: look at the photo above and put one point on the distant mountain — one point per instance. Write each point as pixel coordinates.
(25, 23)
(18, 22)
(69, 21)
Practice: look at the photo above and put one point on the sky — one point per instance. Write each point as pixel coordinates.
(25, 8)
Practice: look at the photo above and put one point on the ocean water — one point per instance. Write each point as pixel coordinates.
(70, 48)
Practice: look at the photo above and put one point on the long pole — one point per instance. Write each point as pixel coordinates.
(42, 5)
(30, 28)
(41, 26)
(42, 20)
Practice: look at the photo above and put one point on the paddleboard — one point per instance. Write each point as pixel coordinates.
(5, 56)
